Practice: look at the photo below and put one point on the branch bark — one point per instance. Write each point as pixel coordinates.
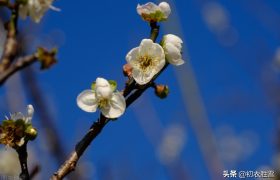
(20, 64)
(7, 67)
(35, 171)
(70, 164)
(22, 155)
(10, 48)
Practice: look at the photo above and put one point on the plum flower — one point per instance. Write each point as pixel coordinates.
(172, 46)
(146, 60)
(17, 130)
(35, 9)
(26, 118)
(154, 13)
(102, 96)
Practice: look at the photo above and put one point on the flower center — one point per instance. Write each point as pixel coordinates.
(103, 102)
(145, 62)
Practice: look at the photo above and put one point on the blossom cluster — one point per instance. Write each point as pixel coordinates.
(35, 9)
(17, 129)
(144, 62)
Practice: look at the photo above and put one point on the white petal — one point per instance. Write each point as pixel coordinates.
(116, 106)
(141, 77)
(147, 8)
(146, 47)
(173, 39)
(132, 55)
(55, 8)
(103, 88)
(30, 112)
(159, 66)
(35, 16)
(23, 11)
(173, 54)
(179, 62)
(21, 142)
(165, 8)
(86, 100)
(157, 51)
(17, 116)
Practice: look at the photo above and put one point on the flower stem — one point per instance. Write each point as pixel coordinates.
(22, 155)
(70, 164)
(154, 31)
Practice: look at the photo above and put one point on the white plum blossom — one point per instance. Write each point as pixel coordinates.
(154, 13)
(111, 104)
(146, 60)
(26, 118)
(10, 136)
(172, 46)
(35, 9)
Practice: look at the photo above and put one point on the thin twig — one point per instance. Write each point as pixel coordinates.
(10, 48)
(3, 2)
(80, 148)
(36, 169)
(22, 155)
(20, 64)
(70, 164)
(7, 67)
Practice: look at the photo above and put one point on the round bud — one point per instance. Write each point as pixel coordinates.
(31, 133)
(161, 91)
(127, 70)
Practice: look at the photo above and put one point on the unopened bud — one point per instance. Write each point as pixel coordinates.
(47, 58)
(31, 133)
(161, 91)
(127, 70)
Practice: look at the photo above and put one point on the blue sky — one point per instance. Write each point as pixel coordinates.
(229, 75)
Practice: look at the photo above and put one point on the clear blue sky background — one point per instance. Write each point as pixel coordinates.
(232, 67)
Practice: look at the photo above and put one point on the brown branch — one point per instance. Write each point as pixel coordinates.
(70, 164)
(10, 48)
(4, 2)
(36, 169)
(22, 155)
(80, 148)
(20, 64)
(7, 67)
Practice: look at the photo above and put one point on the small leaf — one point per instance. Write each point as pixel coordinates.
(113, 84)
(93, 85)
